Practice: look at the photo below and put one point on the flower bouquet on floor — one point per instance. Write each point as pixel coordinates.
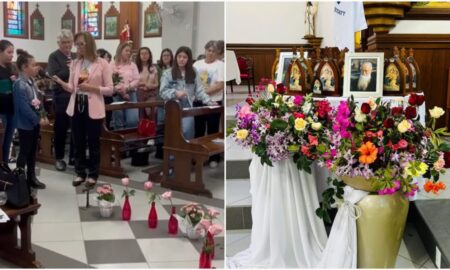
(209, 230)
(126, 209)
(105, 199)
(189, 220)
(152, 215)
(276, 126)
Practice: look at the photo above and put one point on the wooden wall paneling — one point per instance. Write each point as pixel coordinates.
(432, 53)
(262, 55)
(131, 11)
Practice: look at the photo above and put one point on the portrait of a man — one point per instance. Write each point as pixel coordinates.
(363, 76)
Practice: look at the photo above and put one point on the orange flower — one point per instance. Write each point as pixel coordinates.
(368, 153)
(434, 187)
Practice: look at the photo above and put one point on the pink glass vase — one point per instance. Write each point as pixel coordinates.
(126, 210)
(205, 260)
(153, 217)
(210, 241)
(173, 222)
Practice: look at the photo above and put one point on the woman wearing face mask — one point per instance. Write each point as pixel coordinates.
(7, 77)
(90, 79)
(27, 116)
(182, 82)
(126, 88)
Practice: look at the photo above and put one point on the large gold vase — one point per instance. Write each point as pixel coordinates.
(380, 227)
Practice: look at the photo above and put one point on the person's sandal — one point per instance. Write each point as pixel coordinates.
(90, 183)
(78, 181)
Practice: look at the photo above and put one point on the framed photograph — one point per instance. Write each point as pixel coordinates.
(68, 20)
(284, 61)
(363, 75)
(112, 23)
(37, 24)
(152, 22)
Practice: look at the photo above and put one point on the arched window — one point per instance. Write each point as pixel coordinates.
(15, 16)
(90, 18)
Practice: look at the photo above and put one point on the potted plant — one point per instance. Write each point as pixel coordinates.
(105, 199)
(189, 220)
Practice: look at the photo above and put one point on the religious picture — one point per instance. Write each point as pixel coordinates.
(152, 25)
(317, 87)
(283, 64)
(111, 26)
(363, 74)
(38, 27)
(327, 78)
(392, 78)
(295, 83)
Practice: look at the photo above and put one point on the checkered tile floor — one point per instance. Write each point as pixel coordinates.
(67, 235)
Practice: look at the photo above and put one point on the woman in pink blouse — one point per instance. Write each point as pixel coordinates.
(125, 89)
(149, 83)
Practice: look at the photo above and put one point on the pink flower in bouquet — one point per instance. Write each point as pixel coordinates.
(305, 150)
(380, 150)
(323, 108)
(36, 103)
(215, 229)
(402, 144)
(298, 100)
(313, 140)
(213, 212)
(125, 181)
(148, 185)
(244, 111)
(167, 195)
(100, 190)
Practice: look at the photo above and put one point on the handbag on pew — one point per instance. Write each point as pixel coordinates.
(146, 127)
(18, 192)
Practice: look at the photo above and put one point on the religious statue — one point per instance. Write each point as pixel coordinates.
(310, 13)
(125, 35)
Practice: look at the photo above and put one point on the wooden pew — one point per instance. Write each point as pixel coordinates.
(45, 151)
(2, 132)
(114, 142)
(180, 154)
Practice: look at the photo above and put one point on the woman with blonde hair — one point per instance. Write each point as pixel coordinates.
(90, 79)
(125, 89)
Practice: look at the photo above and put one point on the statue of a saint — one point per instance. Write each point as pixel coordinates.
(125, 35)
(310, 13)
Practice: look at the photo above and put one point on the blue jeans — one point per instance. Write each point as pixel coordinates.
(10, 125)
(125, 118)
(188, 127)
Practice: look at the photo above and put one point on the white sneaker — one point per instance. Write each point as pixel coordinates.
(213, 164)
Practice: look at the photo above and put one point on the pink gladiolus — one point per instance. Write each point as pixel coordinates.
(215, 229)
(167, 195)
(298, 100)
(213, 212)
(148, 185)
(125, 181)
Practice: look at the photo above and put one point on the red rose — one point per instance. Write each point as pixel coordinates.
(396, 110)
(410, 112)
(299, 115)
(388, 123)
(365, 108)
(412, 148)
(420, 100)
(281, 89)
(447, 159)
(249, 100)
(412, 99)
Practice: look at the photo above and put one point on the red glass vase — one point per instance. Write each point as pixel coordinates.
(205, 260)
(173, 222)
(152, 217)
(126, 210)
(210, 241)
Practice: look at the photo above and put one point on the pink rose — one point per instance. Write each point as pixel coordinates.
(148, 185)
(215, 229)
(125, 181)
(402, 144)
(244, 111)
(35, 103)
(167, 195)
(99, 189)
(213, 212)
(205, 223)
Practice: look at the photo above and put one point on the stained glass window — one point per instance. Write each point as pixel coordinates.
(16, 19)
(90, 14)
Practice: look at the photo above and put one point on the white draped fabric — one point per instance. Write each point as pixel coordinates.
(286, 232)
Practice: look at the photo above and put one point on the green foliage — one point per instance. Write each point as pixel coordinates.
(278, 125)
(328, 199)
(303, 163)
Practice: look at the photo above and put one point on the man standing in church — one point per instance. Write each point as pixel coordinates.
(367, 80)
(58, 64)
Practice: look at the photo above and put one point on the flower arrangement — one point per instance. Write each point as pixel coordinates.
(105, 193)
(275, 126)
(209, 230)
(126, 192)
(192, 213)
(167, 196)
(151, 195)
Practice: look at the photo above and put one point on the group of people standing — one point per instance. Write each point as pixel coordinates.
(87, 80)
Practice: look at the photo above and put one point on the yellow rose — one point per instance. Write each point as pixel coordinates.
(270, 88)
(403, 126)
(436, 112)
(242, 134)
(316, 126)
(300, 124)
